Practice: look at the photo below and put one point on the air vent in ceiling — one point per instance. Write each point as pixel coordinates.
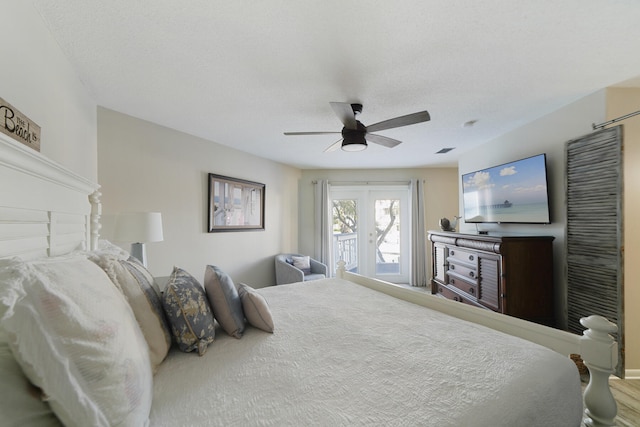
(444, 150)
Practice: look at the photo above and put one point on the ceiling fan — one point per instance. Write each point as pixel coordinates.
(355, 135)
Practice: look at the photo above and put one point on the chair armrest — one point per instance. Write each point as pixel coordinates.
(317, 267)
(287, 273)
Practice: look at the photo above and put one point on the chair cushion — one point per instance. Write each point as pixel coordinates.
(303, 263)
(314, 276)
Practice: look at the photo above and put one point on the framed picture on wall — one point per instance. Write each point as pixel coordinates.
(235, 204)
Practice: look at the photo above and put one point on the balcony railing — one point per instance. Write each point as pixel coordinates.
(345, 246)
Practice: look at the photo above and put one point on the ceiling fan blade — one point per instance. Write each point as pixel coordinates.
(344, 111)
(334, 146)
(409, 119)
(309, 133)
(382, 140)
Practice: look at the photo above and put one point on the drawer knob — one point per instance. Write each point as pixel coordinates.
(452, 252)
(470, 257)
(472, 291)
(472, 274)
(452, 267)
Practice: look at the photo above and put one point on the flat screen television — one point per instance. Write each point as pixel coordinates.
(514, 192)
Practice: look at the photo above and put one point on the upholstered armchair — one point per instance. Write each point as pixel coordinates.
(287, 272)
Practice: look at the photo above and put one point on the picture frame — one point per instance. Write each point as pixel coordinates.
(235, 204)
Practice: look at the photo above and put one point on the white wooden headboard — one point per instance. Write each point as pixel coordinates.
(45, 209)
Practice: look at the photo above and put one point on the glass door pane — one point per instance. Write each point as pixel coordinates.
(345, 232)
(387, 236)
(371, 231)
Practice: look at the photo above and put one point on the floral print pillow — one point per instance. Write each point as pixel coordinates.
(187, 308)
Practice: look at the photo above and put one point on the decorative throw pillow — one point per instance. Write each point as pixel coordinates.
(225, 301)
(76, 338)
(188, 312)
(139, 287)
(255, 308)
(303, 263)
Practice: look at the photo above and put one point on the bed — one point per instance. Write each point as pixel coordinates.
(348, 350)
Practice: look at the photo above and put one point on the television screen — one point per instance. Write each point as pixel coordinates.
(514, 192)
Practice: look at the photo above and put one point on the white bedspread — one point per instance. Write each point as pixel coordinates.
(345, 355)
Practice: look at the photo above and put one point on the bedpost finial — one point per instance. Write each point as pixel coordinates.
(96, 213)
(341, 268)
(599, 324)
(600, 353)
(599, 330)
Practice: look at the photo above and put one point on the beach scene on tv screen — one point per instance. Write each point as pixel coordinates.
(512, 192)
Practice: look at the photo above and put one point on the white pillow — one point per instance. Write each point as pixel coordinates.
(20, 401)
(75, 337)
(255, 307)
(105, 249)
(141, 291)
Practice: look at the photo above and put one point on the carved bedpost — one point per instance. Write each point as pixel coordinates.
(94, 221)
(341, 269)
(600, 354)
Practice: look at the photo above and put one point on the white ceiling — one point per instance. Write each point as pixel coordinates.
(241, 72)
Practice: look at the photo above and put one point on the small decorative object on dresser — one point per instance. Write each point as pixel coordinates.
(508, 274)
(447, 225)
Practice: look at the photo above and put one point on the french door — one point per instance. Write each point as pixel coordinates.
(371, 230)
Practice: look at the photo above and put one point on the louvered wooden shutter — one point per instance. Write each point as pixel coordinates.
(594, 238)
(490, 282)
(439, 260)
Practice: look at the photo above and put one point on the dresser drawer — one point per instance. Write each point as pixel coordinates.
(462, 256)
(466, 286)
(453, 295)
(463, 271)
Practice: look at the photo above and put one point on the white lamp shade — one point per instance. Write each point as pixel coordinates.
(139, 227)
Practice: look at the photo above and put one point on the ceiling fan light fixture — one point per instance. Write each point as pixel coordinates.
(353, 140)
(353, 145)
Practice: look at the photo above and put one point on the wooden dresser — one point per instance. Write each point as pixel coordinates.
(508, 274)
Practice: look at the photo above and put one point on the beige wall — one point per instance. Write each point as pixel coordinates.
(441, 194)
(37, 79)
(147, 167)
(620, 102)
(547, 135)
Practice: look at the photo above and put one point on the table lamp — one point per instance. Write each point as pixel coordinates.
(139, 228)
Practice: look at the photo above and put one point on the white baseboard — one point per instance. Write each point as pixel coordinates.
(632, 374)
